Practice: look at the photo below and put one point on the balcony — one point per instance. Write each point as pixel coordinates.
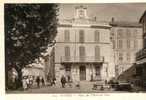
(86, 59)
(141, 54)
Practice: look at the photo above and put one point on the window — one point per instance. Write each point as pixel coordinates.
(97, 52)
(135, 44)
(135, 33)
(114, 46)
(120, 44)
(128, 33)
(120, 57)
(120, 33)
(128, 44)
(81, 36)
(112, 32)
(82, 52)
(66, 35)
(67, 52)
(128, 56)
(96, 36)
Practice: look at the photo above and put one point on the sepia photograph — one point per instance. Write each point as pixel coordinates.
(75, 48)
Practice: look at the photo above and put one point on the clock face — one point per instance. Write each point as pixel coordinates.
(81, 13)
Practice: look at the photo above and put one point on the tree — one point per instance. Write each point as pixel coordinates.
(29, 28)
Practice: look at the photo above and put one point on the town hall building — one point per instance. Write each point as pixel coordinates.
(83, 49)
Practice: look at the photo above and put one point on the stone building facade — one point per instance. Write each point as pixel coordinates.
(83, 49)
(127, 40)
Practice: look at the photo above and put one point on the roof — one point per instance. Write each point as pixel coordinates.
(125, 24)
(144, 14)
(83, 23)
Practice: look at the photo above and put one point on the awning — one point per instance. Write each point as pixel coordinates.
(142, 61)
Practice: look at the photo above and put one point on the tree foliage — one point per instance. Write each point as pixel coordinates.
(29, 28)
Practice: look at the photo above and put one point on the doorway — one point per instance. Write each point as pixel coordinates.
(82, 73)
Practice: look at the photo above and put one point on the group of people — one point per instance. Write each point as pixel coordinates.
(40, 80)
(64, 81)
(29, 81)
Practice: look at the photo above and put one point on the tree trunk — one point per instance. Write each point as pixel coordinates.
(19, 80)
(6, 78)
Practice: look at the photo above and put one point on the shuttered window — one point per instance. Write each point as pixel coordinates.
(81, 36)
(97, 53)
(66, 35)
(114, 45)
(67, 52)
(128, 33)
(119, 33)
(135, 44)
(135, 33)
(120, 44)
(120, 57)
(82, 52)
(128, 44)
(128, 56)
(96, 36)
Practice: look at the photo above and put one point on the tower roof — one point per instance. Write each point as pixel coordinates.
(144, 14)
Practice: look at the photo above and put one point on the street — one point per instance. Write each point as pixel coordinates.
(86, 87)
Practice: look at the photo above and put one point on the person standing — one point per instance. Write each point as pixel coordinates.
(27, 82)
(54, 81)
(31, 81)
(24, 83)
(63, 81)
(43, 82)
(38, 81)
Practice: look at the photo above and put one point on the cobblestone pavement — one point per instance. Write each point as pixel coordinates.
(84, 88)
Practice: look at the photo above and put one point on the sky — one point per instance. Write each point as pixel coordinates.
(104, 12)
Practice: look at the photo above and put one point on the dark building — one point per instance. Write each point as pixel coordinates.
(141, 56)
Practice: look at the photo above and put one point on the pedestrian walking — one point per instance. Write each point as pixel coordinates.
(38, 81)
(63, 81)
(43, 82)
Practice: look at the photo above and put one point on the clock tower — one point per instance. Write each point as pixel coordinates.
(81, 12)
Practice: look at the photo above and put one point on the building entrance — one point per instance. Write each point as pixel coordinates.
(82, 73)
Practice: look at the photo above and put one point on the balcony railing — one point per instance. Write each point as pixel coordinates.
(141, 54)
(85, 59)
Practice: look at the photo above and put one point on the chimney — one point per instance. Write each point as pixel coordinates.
(113, 19)
(95, 18)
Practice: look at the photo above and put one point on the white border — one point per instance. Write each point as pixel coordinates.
(100, 96)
